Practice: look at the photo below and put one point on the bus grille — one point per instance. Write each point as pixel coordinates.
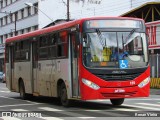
(117, 77)
(126, 94)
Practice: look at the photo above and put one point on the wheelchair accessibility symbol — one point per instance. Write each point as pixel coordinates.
(123, 63)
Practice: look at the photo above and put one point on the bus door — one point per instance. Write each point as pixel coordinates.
(34, 66)
(11, 68)
(74, 66)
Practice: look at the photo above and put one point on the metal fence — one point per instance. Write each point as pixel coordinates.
(155, 65)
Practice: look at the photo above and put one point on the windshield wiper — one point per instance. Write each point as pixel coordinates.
(127, 38)
(101, 38)
(130, 34)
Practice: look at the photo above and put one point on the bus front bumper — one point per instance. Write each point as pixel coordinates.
(110, 93)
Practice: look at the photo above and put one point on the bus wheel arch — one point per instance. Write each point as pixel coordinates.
(62, 93)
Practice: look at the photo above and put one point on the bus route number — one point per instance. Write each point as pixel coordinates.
(132, 83)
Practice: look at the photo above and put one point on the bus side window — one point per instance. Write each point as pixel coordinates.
(62, 45)
(52, 45)
(22, 51)
(43, 47)
(25, 50)
(17, 51)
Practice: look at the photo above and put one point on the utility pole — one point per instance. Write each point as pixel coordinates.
(131, 3)
(68, 14)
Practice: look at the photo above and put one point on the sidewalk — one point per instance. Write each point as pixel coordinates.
(155, 91)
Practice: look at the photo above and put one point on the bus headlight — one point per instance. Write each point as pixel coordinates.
(90, 84)
(144, 82)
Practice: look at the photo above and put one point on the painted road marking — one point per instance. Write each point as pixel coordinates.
(126, 109)
(8, 97)
(49, 109)
(86, 117)
(149, 104)
(5, 91)
(51, 118)
(10, 118)
(107, 112)
(19, 110)
(19, 105)
(142, 107)
(77, 115)
(23, 100)
(143, 99)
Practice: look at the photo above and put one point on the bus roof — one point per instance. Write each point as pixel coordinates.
(60, 27)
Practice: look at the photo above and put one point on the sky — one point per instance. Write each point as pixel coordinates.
(57, 9)
(81, 8)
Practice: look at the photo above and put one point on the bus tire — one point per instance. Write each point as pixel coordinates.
(117, 102)
(23, 95)
(63, 96)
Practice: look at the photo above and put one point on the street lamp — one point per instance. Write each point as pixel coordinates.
(31, 5)
(15, 23)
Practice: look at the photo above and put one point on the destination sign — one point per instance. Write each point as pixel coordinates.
(114, 24)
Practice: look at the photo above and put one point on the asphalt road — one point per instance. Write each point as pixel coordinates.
(45, 108)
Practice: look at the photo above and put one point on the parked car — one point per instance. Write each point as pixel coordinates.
(1, 76)
(3, 80)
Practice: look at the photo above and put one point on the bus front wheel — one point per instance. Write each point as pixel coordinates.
(117, 101)
(63, 96)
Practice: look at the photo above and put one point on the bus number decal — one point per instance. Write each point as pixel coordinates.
(132, 83)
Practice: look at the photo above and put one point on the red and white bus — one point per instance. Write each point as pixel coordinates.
(86, 59)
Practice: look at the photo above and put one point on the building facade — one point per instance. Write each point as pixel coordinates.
(16, 18)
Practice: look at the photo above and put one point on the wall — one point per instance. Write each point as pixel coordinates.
(17, 6)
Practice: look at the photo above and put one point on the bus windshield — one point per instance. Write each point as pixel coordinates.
(115, 49)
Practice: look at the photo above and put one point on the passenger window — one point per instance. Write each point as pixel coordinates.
(62, 47)
(53, 45)
(22, 52)
(43, 47)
